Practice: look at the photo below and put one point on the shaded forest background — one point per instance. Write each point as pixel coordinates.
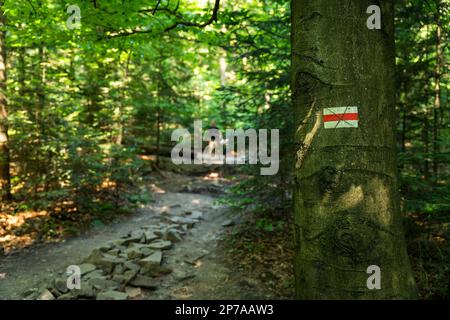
(91, 111)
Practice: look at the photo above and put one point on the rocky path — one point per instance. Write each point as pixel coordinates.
(167, 250)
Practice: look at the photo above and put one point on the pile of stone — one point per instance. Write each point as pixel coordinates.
(120, 269)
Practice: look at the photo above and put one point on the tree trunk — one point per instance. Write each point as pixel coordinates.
(437, 90)
(122, 106)
(346, 203)
(22, 76)
(426, 146)
(158, 134)
(44, 158)
(5, 175)
(404, 114)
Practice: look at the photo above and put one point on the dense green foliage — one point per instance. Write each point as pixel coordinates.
(85, 103)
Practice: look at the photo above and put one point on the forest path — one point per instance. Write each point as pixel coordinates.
(200, 270)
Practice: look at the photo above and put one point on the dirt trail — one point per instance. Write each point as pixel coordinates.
(199, 268)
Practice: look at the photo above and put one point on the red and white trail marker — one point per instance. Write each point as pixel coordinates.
(341, 117)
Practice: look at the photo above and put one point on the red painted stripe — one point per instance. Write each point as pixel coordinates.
(342, 116)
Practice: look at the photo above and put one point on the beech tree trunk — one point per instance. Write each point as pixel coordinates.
(346, 202)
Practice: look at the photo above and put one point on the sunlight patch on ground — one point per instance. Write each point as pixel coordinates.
(213, 175)
(20, 230)
(8, 222)
(11, 242)
(182, 293)
(164, 209)
(157, 189)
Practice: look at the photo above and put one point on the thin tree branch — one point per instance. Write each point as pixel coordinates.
(211, 20)
(198, 25)
(156, 7)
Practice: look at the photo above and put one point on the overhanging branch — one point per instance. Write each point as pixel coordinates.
(198, 25)
(176, 24)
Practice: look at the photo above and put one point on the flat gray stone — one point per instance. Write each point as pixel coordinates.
(133, 253)
(86, 268)
(146, 251)
(160, 245)
(182, 220)
(66, 296)
(150, 236)
(94, 274)
(228, 223)
(151, 266)
(129, 275)
(114, 252)
(45, 295)
(143, 249)
(130, 265)
(106, 247)
(138, 234)
(119, 269)
(103, 261)
(126, 241)
(119, 279)
(144, 282)
(155, 271)
(103, 284)
(160, 232)
(181, 275)
(133, 292)
(86, 291)
(138, 245)
(154, 259)
(118, 242)
(112, 295)
(198, 215)
(174, 236)
(123, 256)
(60, 284)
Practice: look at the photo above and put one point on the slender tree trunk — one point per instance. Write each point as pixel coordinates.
(5, 175)
(404, 130)
(41, 87)
(404, 119)
(158, 135)
(426, 146)
(437, 90)
(93, 87)
(223, 68)
(120, 121)
(403, 133)
(44, 157)
(346, 204)
(22, 76)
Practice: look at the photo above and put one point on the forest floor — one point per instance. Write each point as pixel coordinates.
(202, 265)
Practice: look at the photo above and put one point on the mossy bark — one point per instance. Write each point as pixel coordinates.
(346, 202)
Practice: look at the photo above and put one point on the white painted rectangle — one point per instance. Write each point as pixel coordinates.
(341, 124)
